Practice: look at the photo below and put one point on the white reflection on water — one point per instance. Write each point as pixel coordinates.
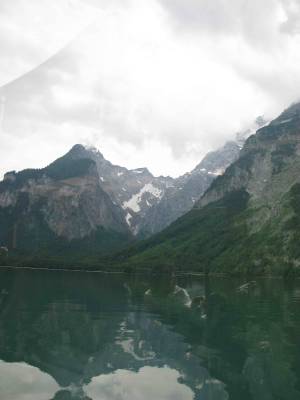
(148, 383)
(19, 381)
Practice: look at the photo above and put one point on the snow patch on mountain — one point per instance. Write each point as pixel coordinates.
(134, 202)
(217, 172)
(128, 218)
(285, 121)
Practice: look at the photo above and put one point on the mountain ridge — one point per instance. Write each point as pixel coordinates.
(248, 221)
(151, 203)
(83, 203)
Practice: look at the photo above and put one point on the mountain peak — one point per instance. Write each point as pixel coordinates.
(78, 147)
(81, 151)
(77, 151)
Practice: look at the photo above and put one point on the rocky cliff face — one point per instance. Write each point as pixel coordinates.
(62, 201)
(265, 168)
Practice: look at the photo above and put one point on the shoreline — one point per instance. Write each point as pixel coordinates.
(178, 274)
(59, 269)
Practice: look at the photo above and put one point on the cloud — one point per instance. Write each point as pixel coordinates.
(292, 23)
(148, 383)
(255, 21)
(31, 32)
(24, 382)
(154, 83)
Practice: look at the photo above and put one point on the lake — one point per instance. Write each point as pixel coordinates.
(69, 335)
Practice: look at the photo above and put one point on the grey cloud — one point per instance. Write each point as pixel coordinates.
(257, 23)
(292, 9)
(32, 31)
(253, 20)
(282, 88)
(107, 3)
(30, 98)
(210, 15)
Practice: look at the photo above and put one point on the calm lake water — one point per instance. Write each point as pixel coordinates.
(93, 336)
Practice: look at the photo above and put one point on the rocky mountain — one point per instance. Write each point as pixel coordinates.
(181, 194)
(132, 191)
(151, 203)
(59, 208)
(186, 190)
(249, 218)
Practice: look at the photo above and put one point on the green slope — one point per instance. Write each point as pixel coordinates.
(249, 219)
(195, 242)
(218, 239)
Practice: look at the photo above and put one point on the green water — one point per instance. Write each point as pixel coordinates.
(94, 336)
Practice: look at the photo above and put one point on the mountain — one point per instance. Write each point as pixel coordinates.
(248, 220)
(132, 191)
(152, 203)
(147, 203)
(84, 205)
(59, 209)
(186, 190)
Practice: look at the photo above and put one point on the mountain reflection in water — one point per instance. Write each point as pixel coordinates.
(93, 336)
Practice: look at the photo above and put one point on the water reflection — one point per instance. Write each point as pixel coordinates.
(21, 381)
(148, 383)
(89, 336)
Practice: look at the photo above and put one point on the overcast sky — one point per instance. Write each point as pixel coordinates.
(154, 83)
